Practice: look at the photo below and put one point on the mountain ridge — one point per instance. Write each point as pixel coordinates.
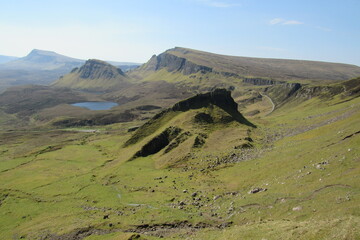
(177, 58)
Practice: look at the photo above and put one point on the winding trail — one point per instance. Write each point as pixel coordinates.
(272, 103)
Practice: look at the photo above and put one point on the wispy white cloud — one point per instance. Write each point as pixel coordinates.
(281, 21)
(276, 21)
(292, 22)
(325, 29)
(218, 4)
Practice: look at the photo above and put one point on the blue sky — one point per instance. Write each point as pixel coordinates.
(134, 30)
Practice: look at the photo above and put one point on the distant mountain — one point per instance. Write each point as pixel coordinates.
(94, 75)
(5, 59)
(42, 67)
(188, 61)
(115, 63)
(43, 60)
(38, 67)
(124, 66)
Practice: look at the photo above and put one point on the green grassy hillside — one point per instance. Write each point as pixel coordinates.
(295, 176)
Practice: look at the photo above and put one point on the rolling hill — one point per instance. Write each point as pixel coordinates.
(5, 59)
(195, 150)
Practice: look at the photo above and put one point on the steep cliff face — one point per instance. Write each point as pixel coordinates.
(173, 63)
(94, 75)
(281, 92)
(94, 69)
(261, 81)
(219, 97)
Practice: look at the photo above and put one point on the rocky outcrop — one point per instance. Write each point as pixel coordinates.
(294, 87)
(281, 92)
(94, 75)
(347, 88)
(261, 81)
(96, 69)
(173, 63)
(219, 97)
(159, 142)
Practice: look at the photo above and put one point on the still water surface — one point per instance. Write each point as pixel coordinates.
(96, 105)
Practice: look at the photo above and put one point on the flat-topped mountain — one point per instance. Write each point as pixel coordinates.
(43, 60)
(189, 61)
(94, 75)
(38, 67)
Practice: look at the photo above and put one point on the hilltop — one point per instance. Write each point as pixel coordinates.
(38, 67)
(189, 126)
(43, 60)
(94, 75)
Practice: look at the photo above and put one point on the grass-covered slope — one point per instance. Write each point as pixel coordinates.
(295, 176)
(189, 126)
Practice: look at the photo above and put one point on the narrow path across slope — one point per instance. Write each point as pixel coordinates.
(271, 101)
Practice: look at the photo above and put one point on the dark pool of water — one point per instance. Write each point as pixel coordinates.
(96, 105)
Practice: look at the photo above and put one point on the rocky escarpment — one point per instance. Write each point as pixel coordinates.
(174, 63)
(289, 91)
(281, 92)
(94, 75)
(94, 69)
(219, 97)
(347, 88)
(159, 142)
(261, 81)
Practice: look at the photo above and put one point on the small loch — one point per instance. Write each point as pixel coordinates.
(96, 105)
